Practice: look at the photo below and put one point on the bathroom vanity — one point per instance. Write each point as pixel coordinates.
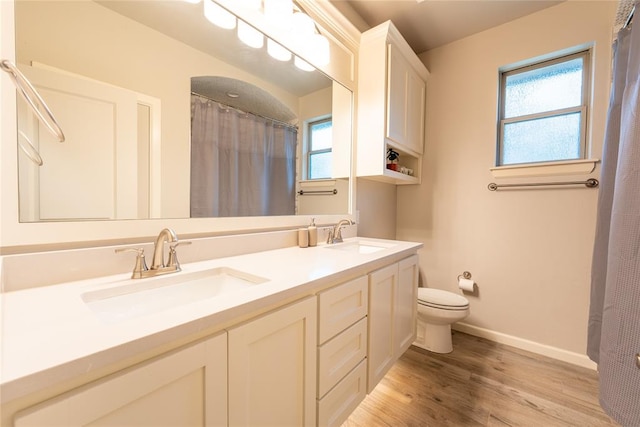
(292, 337)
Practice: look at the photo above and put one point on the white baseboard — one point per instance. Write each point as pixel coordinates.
(523, 344)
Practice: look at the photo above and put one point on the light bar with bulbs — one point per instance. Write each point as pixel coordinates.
(283, 15)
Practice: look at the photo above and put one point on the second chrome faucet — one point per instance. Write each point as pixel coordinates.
(335, 233)
(158, 266)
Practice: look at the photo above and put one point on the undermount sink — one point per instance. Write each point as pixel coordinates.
(361, 246)
(152, 295)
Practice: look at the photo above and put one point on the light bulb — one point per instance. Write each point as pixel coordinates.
(249, 35)
(250, 4)
(302, 64)
(279, 12)
(277, 51)
(217, 15)
(192, 1)
(302, 25)
(319, 49)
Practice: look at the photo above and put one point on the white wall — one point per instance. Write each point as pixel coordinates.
(528, 250)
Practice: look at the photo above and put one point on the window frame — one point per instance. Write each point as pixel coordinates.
(309, 142)
(583, 108)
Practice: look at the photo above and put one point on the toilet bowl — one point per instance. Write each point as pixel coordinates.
(437, 310)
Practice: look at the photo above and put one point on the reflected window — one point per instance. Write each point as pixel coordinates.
(319, 149)
(543, 111)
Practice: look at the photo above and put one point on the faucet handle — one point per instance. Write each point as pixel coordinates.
(173, 256)
(330, 236)
(141, 263)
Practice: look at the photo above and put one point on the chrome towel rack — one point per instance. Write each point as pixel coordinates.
(317, 192)
(33, 98)
(589, 183)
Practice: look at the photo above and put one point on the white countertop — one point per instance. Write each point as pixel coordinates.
(50, 335)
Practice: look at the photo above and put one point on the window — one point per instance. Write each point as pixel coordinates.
(319, 149)
(543, 111)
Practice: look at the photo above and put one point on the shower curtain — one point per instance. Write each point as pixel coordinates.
(614, 317)
(241, 164)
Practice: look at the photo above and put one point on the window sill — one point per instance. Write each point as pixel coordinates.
(570, 167)
(317, 183)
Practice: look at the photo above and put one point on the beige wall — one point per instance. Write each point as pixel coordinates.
(376, 204)
(529, 251)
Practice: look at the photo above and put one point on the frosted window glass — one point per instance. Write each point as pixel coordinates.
(320, 165)
(320, 142)
(549, 88)
(321, 135)
(542, 140)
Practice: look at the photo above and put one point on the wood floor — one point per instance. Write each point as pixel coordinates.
(482, 383)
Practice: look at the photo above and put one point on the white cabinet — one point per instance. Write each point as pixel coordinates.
(391, 106)
(392, 311)
(406, 304)
(342, 350)
(272, 368)
(382, 294)
(186, 388)
(405, 103)
(310, 362)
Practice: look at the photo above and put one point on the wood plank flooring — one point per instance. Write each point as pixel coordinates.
(482, 383)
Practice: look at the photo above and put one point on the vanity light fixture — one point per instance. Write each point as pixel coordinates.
(319, 49)
(279, 12)
(302, 64)
(219, 16)
(249, 35)
(284, 15)
(276, 51)
(302, 25)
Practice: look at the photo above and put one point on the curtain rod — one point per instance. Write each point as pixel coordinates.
(285, 124)
(629, 18)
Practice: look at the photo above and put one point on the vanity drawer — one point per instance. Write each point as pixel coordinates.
(339, 403)
(341, 307)
(340, 355)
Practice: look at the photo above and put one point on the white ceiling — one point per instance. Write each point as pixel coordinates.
(432, 23)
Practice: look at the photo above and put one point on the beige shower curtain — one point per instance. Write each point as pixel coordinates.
(241, 164)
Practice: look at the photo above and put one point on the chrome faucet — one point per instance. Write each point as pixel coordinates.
(166, 235)
(335, 233)
(158, 267)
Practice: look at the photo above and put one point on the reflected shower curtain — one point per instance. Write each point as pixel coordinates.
(614, 315)
(241, 164)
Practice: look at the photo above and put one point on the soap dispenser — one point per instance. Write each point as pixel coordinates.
(313, 233)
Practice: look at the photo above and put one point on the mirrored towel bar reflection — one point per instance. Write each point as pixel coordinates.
(589, 183)
(318, 192)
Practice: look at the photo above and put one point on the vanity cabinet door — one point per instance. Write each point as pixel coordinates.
(272, 364)
(184, 388)
(406, 304)
(382, 311)
(392, 315)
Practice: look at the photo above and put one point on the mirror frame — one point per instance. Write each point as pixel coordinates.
(17, 237)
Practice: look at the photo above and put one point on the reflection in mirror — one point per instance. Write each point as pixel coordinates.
(118, 76)
(242, 163)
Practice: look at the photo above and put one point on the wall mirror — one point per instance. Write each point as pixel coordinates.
(120, 77)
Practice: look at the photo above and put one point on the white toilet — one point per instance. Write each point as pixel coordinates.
(437, 310)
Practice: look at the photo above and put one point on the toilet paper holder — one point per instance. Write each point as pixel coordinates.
(465, 275)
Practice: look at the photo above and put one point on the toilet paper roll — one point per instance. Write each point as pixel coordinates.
(466, 285)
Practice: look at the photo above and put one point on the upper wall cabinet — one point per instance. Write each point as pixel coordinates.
(391, 107)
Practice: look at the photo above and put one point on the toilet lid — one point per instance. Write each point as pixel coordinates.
(440, 298)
